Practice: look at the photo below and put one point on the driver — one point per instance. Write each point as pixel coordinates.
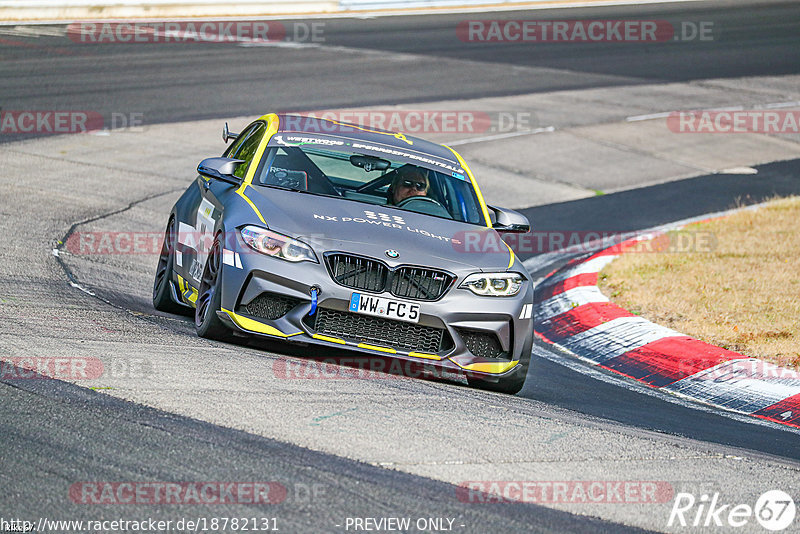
(409, 182)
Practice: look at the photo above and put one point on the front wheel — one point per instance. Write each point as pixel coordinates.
(206, 322)
(511, 384)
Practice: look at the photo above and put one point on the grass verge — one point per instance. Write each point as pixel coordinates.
(732, 282)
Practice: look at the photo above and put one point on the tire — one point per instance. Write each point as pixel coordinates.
(162, 295)
(512, 383)
(209, 297)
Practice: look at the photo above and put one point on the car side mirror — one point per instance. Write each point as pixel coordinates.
(221, 169)
(510, 221)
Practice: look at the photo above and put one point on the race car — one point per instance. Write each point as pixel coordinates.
(331, 234)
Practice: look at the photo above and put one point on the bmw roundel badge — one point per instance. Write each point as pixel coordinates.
(392, 253)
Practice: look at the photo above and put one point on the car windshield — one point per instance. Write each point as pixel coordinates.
(363, 177)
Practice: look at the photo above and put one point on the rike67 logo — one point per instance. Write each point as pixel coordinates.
(774, 510)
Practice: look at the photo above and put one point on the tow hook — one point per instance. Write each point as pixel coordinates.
(314, 291)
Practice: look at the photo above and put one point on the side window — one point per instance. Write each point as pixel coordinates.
(245, 147)
(248, 150)
(237, 143)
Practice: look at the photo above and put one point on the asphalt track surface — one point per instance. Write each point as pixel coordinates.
(169, 447)
(175, 82)
(656, 205)
(55, 433)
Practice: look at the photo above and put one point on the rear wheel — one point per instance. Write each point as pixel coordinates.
(206, 322)
(162, 292)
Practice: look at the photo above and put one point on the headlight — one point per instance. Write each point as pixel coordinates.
(494, 284)
(277, 245)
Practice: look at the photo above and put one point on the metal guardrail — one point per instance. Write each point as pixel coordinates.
(420, 4)
(32, 10)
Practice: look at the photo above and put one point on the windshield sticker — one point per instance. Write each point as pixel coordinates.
(300, 140)
(388, 221)
(295, 140)
(407, 155)
(459, 176)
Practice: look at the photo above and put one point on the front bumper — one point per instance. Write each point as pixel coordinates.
(501, 326)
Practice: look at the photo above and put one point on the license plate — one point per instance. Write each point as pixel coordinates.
(383, 307)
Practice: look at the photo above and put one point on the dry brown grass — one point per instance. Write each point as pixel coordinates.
(744, 295)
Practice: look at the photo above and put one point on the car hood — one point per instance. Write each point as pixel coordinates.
(333, 224)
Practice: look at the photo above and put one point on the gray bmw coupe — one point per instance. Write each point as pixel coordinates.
(332, 234)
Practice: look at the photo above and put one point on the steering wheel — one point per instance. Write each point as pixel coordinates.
(408, 200)
(425, 205)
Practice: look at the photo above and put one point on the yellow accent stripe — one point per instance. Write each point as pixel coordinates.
(187, 292)
(484, 209)
(511, 258)
(424, 355)
(255, 326)
(331, 339)
(240, 192)
(373, 347)
(494, 368)
(272, 127)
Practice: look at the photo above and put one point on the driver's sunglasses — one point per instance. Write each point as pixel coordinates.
(419, 186)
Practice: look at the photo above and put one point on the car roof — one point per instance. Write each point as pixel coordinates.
(295, 123)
